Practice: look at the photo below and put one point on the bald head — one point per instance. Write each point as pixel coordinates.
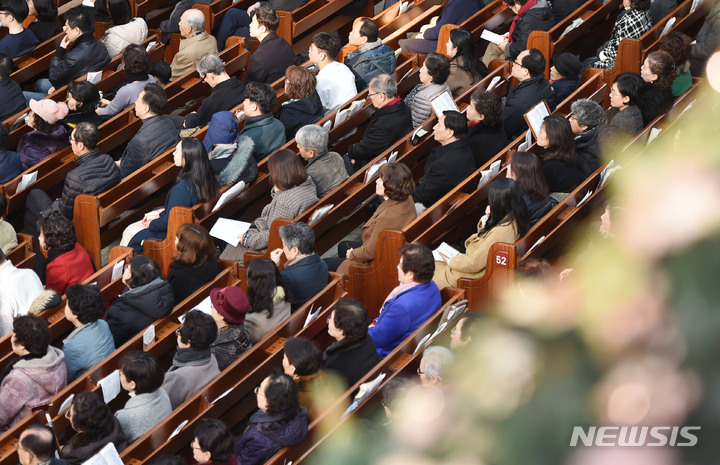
(37, 444)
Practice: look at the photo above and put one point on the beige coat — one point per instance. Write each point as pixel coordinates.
(260, 324)
(459, 80)
(472, 263)
(190, 50)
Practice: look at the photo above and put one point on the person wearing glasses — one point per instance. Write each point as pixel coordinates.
(37, 446)
(18, 40)
(435, 365)
(585, 120)
(213, 443)
(280, 422)
(194, 44)
(227, 92)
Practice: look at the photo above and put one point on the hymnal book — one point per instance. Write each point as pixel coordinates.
(177, 430)
(393, 156)
(488, 174)
(229, 230)
(405, 6)
(571, 26)
(527, 143)
(118, 269)
(446, 250)
(110, 386)
(492, 37)
(108, 455)
(151, 46)
(205, 306)
(535, 117)
(311, 316)
(372, 170)
(582, 201)
(695, 4)
(93, 77)
(493, 83)
(443, 102)
(654, 132)
(26, 180)
(319, 213)
(539, 241)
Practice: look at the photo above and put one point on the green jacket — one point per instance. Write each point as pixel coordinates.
(268, 135)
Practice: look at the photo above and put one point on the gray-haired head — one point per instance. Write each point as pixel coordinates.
(438, 361)
(384, 84)
(195, 19)
(588, 112)
(393, 389)
(210, 63)
(312, 137)
(298, 235)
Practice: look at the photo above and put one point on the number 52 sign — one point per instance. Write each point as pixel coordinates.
(501, 259)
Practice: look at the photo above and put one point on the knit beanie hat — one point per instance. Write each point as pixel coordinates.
(49, 110)
(568, 65)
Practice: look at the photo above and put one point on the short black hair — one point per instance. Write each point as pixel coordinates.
(91, 415)
(534, 62)
(39, 440)
(261, 94)
(82, 18)
(267, 17)
(438, 67)
(87, 133)
(199, 330)
(46, 9)
(629, 85)
(120, 11)
(214, 436)
(32, 332)
(143, 369)
(7, 66)
(351, 317)
(162, 71)
(85, 302)
(418, 259)
(304, 355)
(17, 8)
(87, 95)
(457, 122)
(143, 270)
(369, 29)
(328, 43)
(4, 138)
(155, 98)
(281, 394)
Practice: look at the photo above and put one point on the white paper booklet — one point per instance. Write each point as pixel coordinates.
(584, 199)
(571, 26)
(538, 242)
(443, 102)
(536, 115)
(312, 315)
(491, 37)
(668, 26)
(695, 4)
(205, 306)
(393, 156)
(493, 83)
(527, 143)
(372, 171)
(26, 180)
(229, 230)
(118, 269)
(319, 213)
(108, 455)
(229, 194)
(445, 249)
(94, 77)
(110, 386)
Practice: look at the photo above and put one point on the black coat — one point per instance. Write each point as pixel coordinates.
(485, 142)
(224, 96)
(45, 30)
(83, 55)
(156, 135)
(587, 147)
(654, 101)
(522, 98)
(445, 167)
(351, 359)
(661, 8)
(76, 117)
(304, 279)
(561, 176)
(387, 126)
(298, 113)
(538, 18)
(562, 8)
(96, 173)
(12, 101)
(135, 309)
(186, 279)
(270, 60)
(537, 208)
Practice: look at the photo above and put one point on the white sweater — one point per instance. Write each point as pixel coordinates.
(18, 290)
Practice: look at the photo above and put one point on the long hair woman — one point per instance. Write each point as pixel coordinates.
(136, 63)
(268, 297)
(526, 170)
(82, 100)
(465, 67)
(658, 72)
(558, 156)
(195, 262)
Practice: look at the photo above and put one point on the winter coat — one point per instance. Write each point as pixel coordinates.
(402, 314)
(486, 141)
(82, 115)
(561, 9)
(386, 126)
(259, 324)
(391, 214)
(419, 101)
(661, 8)
(304, 278)
(351, 360)
(156, 136)
(327, 171)
(521, 98)
(230, 344)
(561, 176)
(224, 96)
(454, 12)
(537, 209)
(85, 445)
(19, 289)
(35, 146)
(268, 63)
(241, 164)
(125, 97)
(295, 114)
(185, 379)
(267, 434)
(654, 101)
(142, 412)
(368, 61)
(13, 101)
(631, 24)
(86, 346)
(537, 18)
(10, 165)
(186, 279)
(190, 50)
(267, 133)
(84, 55)
(564, 87)
(706, 41)
(31, 383)
(96, 173)
(627, 122)
(446, 166)
(46, 29)
(66, 269)
(587, 147)
(460, 80)
(116, 38)
(134, 309)
(8, 240)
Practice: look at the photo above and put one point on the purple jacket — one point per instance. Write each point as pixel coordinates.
(35, 146)
(267, 434)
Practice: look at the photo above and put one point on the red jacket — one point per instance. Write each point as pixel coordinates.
(69, 268)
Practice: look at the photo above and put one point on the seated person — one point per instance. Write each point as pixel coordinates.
(213, 443)
(486, 136)
(391, 121)
(280, 421)
(195, 262)
(335, 81)
(229, 306)
(148, 297)
(10, 164)
(47, 23)
(370, 56)
(8, 237)
(36, 445)
(194, 365)
(411, 303)
(394, 184)
(136, 63)
(433, 82)
(231, 156)
(125, 30)
(304, 105)
(507, 221)
(161, 71)
(453, 12)
(659, 9)
(327, 169)
(18, 40)
(529, 16)
(268, 297)
(463, 332)
(96, 173)
(353, 353)
(305, 273)
(227, 92)
(658, 72)
(142, 377)
(528, 69)
(558, 156)
(83, 100)
(565, 75)
(48, 135)
(706, 41)
(13, 100)
(236, 22)
(171, 25)
(630, 24)
(623, 119)
(156, 135)
(36, 376)
(274, 55)
(266, 131)
(301, 361)
(96, 427)
(677, 45)
(465, 67)
(194, 44)
(448, 163)
(393, 392)
(585, 120)
(526, 170)
(91, 341)
(435, 366)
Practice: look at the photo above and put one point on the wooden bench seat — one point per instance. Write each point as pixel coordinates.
(23, 255)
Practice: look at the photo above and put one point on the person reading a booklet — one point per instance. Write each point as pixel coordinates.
(507, 221)
(530, 15)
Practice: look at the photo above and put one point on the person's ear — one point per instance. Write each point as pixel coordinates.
(625, 100)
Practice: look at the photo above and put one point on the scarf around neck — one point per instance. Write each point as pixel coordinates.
(190, 357)
(522, 11)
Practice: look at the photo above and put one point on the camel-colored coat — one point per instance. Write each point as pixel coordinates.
(190, 50)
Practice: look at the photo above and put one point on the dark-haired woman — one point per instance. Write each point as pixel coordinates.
(658, 72)
(631, 24)
(195, 183)
(67, 261)
(229, 308)
(47, 135)
(623, 119)
(304, 106)
(213, 443)
(412, 302)
(147, 297)
(96, 427)
(486, 136)
(395, 185)
(507, 221)
(465, 67)
(433, 82)
(526, 170)
(559, 158)
(125, 30)
(677, 45)
(83, 100)
(269, 302)
(195, 262)
(136, 63)
(302, 359)
(293, 191)
(280, 422)
(46, 24)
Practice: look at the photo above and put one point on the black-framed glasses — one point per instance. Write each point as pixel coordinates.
(519, 63)
(374, 93)
(202, 78)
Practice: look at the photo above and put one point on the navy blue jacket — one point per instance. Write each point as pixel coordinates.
(454, 12)
(304, 279)
(12, 101)
(267, 434)
(403, 314)
(297, 113)
(182, 194)
(10, 165)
